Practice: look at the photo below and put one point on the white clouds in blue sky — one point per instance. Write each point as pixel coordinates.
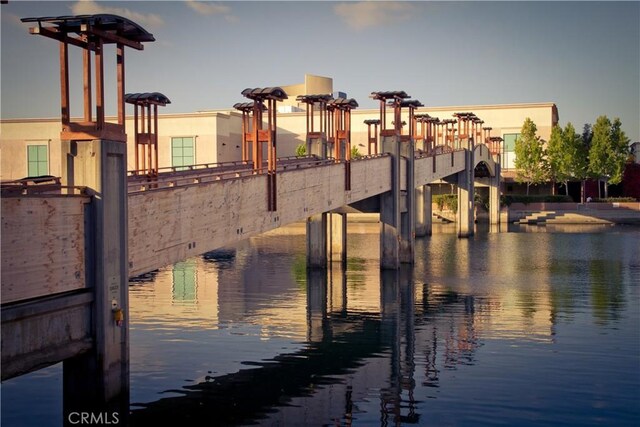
(366, 14)
(584, 56)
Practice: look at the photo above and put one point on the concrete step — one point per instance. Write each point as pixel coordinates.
(595, 216)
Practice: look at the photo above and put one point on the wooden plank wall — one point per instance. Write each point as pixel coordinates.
(43, 245)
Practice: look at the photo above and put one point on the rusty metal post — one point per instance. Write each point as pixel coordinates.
(146, 132)
(341, 108)
(372, 139)
(268, 136)
(316, 140)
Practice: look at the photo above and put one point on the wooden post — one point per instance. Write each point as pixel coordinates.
(99, 58)
(120, 82)
(65, 114)
(86, 55)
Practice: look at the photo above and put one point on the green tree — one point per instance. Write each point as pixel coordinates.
(557, 160)
(577, 156)
(530, 156)
(582, 172)
(355, 153)
(608, 153)
(620, 148)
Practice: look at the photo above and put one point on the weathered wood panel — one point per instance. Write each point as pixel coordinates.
(43, 246)
(43, 332)
(168, 225)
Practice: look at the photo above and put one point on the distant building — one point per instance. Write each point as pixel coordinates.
(32, 146)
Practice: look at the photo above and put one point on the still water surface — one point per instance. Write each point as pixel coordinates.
(524, 328)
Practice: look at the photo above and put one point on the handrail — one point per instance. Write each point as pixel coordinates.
(45, 184)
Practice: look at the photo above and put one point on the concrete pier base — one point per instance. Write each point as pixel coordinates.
(494, 197)
(317, 241)
(100, 378)
(397, 207)
(465, 216)
(424, 214)
(337, 228)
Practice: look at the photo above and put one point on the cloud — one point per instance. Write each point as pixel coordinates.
(361, 15)
(12, 19)
(208, 8)
(90, 7)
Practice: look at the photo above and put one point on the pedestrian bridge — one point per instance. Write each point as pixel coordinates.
(178, 215)
(189, 213)
(69, 244)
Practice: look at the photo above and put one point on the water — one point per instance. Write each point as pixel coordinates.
(528, 328)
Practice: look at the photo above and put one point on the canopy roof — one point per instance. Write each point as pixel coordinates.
(146, 98)
(109, 28)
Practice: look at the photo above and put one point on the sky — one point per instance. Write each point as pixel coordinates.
(583, 56)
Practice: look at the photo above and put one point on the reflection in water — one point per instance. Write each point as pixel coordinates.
(501, 328)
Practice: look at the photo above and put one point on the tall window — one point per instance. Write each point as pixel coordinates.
(37, 160)
(182, 152)
(509, 150)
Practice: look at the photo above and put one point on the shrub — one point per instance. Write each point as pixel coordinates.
(446, 202)
(301, 150)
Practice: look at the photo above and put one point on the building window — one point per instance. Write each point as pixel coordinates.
(510, 141)
(182, 152)
(509, 150)
(37, 160)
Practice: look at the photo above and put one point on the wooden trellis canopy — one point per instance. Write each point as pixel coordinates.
(394, 98)
(259, 136)
(91, 33)
(316, 103)
(146, 129)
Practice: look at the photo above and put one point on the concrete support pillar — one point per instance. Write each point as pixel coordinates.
(494, 197)
(397, 207)
(100, 378)
(317, 146)
(317, 241)
(465, 215)
(338, 237)
(424, 214)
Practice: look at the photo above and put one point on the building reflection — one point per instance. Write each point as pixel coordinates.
(364, 335)
(347, 354)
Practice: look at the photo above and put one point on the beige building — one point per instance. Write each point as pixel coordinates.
(31, 147)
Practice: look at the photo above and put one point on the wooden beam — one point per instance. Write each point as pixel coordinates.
(111, 38)
(57, 35)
